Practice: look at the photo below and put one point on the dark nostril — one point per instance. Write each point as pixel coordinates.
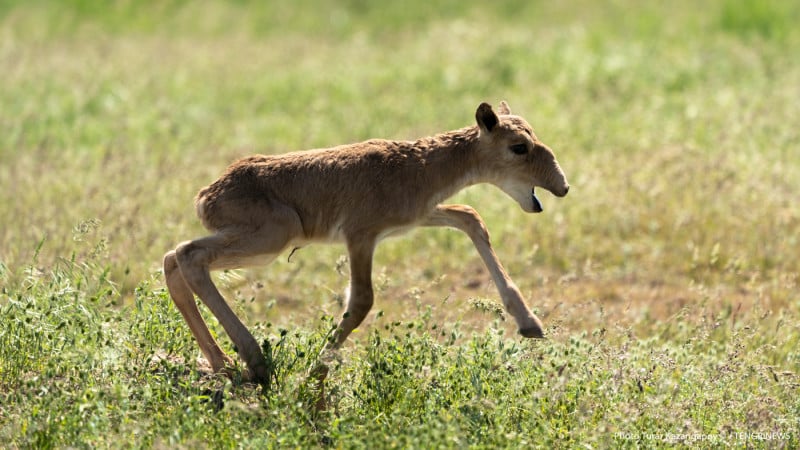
(566, 189)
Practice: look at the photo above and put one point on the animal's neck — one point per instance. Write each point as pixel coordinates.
(451, 142)
(450, 160)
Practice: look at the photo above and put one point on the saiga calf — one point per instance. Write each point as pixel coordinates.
(358, 193)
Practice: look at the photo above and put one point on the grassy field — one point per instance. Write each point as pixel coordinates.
(667, 280)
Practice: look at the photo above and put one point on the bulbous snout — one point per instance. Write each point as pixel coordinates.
(558, 185)
(555, 180)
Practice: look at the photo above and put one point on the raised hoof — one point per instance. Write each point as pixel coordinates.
(532, 332)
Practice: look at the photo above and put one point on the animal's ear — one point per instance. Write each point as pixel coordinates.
(503, 108)
(486, 118)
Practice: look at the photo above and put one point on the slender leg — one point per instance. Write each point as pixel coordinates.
(194, 259)
(361, 296)
(183, 298)
(359, 302)
(466, 219)
(227, 249)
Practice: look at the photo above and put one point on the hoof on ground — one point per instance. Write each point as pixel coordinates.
(532, 332)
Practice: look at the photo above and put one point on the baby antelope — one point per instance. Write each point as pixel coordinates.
(357, 194)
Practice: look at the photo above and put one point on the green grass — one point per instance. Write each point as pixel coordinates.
(667, 279)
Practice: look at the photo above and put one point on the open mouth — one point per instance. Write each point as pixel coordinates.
(537, 205)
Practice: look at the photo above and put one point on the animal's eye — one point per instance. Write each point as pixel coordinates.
(519, 149)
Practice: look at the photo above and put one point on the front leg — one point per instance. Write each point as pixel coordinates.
(359, 302)
(360, 294)
(466, 219)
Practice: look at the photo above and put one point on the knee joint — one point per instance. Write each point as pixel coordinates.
(187, 254)
(360, 300)
(170, 262)
(477, 228)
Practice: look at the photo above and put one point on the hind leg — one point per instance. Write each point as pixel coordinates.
(228, 249)
(183, 298)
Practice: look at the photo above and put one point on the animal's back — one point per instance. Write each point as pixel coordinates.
(322, 186)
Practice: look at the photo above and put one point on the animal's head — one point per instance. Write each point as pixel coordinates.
(516, 160)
